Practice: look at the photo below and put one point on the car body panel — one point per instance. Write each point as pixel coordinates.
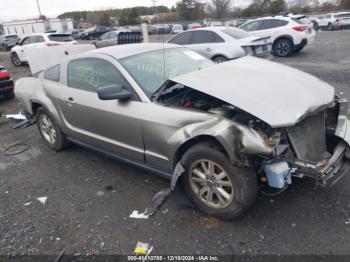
(281, 100)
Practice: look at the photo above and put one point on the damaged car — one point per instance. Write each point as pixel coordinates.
(160, 107)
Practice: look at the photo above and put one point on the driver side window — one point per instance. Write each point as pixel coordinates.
(252, 26)
(89, 74)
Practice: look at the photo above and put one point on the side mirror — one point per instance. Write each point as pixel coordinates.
(114, 92)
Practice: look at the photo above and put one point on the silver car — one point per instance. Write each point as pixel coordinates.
(118, 37)
(223, 43)
(232, 127)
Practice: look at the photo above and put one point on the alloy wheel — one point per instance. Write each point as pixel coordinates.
(47, 129)
(15, 60)
(211, 184)
(282, 48)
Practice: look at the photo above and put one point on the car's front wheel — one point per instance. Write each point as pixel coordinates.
(220, 59)
(283, 47)
(15, 59)
(214, 185)
(50, 131)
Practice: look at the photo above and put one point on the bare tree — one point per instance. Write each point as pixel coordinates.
(219, 8)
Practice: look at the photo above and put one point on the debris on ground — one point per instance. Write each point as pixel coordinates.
(100, 193)
(160, 197)
(347, 222)
(42, 200)
(109, 187)
(58, 258)
(19, 120)
(209, 222)
(28, 203)
(142, 248)
(16, 149)
(136, 214)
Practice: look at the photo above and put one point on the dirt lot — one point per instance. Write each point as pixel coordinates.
(90, 197)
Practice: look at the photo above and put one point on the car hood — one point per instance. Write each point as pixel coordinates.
(277, 94)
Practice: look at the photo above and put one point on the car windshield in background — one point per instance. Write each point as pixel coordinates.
(60, 37)
(236, 33)
(152, 69)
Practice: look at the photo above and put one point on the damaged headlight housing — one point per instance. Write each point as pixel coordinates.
(252, 143)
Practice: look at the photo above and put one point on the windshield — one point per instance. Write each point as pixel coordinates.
(302, 20)
(150, 70)
(236, 33)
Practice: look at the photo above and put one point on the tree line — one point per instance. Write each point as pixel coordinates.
(199, 9)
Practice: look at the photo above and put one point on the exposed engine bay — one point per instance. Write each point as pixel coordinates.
(311, 148)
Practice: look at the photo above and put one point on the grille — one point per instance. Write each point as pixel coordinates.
(308, 138)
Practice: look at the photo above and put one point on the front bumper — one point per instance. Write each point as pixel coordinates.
(6, 86)
(331, 169)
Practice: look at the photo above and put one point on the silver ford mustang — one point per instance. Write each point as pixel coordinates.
(233, 127)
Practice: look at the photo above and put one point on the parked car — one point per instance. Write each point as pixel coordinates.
(119, 37)
(236, 22)
(288, 34)
(8, 41)
(95, 32)
(194, 26)
(151, 30)
(6, 84)
(75, 33)
(231, 127)
(81, 33)
(333, 21)
(162, 29)
(18, 52)
(214, 23)
(223, 43)
(176, 29)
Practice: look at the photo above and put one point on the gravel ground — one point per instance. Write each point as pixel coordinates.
(89, 196)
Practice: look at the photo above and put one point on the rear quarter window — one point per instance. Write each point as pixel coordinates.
(181, 39)
(60, 38)
(53, 73)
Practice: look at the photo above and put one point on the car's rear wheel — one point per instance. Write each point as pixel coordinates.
(15, 60)
(214, 185)
(283, 47)
(220, 59)
(50, 131)
(330, 27)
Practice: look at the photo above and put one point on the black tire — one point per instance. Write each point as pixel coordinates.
(9, 95)
(243, 182)
(61, 141)
(220, 59)
(330, 27)
(15, 60)
(283, 47)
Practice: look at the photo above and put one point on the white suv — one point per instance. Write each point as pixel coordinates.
(287, 34)
(333, 21)
(18, 52)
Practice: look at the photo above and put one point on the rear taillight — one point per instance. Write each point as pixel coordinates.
(300, 28)
(52, 44)
(4, 73)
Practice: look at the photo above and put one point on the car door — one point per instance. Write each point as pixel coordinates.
(270, 28)
(106, 125)
(205, 43)
(111, 39)
(27, 43)
(102, 42)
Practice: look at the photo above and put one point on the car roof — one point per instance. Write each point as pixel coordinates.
(122, 51)
(214, 29)
(273, 17)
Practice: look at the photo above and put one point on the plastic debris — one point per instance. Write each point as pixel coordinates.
(100, 193)
(136, 214)
(178, 171)
(28, 203)
(42, 200)
(347, 222)
(157, 201)
(19, 120)
(142, 248)
(16, 149)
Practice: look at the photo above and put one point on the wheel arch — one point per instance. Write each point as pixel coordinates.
(289, 37)
(211, 140)
(220, 55)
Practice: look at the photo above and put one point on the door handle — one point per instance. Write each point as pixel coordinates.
(208, 49)
(69, 100)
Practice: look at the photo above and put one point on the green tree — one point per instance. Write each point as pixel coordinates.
(190, 9)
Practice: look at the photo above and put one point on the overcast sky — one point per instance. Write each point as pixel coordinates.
(22, 9)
